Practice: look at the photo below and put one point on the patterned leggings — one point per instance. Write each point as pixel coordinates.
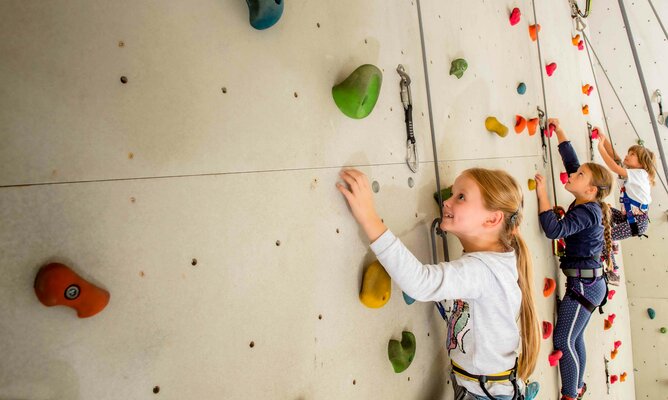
(572, 319)
(620, 225)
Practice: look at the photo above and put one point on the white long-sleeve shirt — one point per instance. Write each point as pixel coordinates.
(483, 335)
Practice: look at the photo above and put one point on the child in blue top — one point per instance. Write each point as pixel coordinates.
(586, 231)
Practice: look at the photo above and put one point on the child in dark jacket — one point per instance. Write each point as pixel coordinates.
(586, 231)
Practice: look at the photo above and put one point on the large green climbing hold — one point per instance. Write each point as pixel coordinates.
(264, 13)
(357, 94)
(446, 193)
(401, 354)
(458, 67)
(651, 313)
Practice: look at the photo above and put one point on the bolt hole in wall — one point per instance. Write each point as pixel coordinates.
(156, 389)
(124, 79)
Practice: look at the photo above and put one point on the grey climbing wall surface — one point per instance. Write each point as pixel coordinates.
(186, 162)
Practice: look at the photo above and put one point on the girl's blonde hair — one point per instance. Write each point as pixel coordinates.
(602, 179)
(501, 192)
(647, 160)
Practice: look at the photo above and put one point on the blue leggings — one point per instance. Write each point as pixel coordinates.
(572, 320)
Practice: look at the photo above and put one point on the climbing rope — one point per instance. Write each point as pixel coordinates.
(658, 19)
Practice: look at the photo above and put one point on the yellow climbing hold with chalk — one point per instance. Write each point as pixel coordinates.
(493, 125)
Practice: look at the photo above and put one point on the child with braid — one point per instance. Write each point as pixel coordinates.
(586, 231)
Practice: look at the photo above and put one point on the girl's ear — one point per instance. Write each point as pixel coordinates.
(494, 218)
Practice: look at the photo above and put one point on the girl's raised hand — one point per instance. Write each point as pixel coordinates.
(555, 122)
(540, 184)
(360, 198)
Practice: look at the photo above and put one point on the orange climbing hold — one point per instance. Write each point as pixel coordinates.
(547, 329)
(554, 357)
(607, 323)
(613, 354)
(520, 123)
(587, 89)
(57, 285)
(575, 39)
(532, 126)
(585, 109)
(622, 377)
(533, 31)
(549, 287)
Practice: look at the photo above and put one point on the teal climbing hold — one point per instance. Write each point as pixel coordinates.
(408, 299)
(264, 13)
(357, 94)
(651, 313)
(522, 88)
(401, 354)
(458, 67)
(532, 391)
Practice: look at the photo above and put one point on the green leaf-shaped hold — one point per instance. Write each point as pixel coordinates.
(357, 94)
(401, 354)
(446, 193)
(458, 67)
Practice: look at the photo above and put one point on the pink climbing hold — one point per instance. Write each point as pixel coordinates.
(594, 135)
(515, 16)
(611, 294)
(550, 130)
(613, 379)
(549, 68)
(547, 329)
(611, 317)
(555, 357)
(581, 45)
(617, 344)
(563, 177)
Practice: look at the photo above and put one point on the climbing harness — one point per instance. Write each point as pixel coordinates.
(660, 119)
(411, 151)
(505, 376)
(628, 204)
(595, 274)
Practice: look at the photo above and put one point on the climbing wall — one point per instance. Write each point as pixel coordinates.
(186, 162)
(645, 265)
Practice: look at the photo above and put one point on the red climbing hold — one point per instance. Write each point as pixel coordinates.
(594, 135)
(554, 357)
(549, 287)
(587, 89)
(547, 329)
(563, 177)
(611, 294)
(581, 45)
(613, 379)
(520, 123)
(515, 16)
(549, 68)
(550, 130)
(618, 344)
(533, 31)
(611, 317)
(532, 125)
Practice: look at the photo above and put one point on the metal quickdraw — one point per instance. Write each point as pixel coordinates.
(543, 125)
(591, 142)
(661, 118)
(411, 151)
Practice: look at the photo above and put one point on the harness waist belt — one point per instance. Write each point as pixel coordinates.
(500, 377)
(583, 273)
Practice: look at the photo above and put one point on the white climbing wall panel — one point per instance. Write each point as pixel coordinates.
(201, 192)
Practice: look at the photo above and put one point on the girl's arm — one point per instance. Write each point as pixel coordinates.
(603, 144)
(541, 194)
(576, 220)
(568, 155)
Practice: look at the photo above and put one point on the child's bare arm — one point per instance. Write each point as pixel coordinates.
(607, 158)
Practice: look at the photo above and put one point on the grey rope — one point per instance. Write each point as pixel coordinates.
(658, 19)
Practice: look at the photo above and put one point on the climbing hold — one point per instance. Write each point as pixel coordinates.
(457, 67)
(532, 125)
(640, 142)
(532, 391)
(607, 325)
(401, 354)
(663, 329)
(533, 31)
(594, 135)
(613, 354)
(520, 123)
(57, 285)
(493, 125)
(559, 247)
(613, 379)
(515, 16)
(550, 68)
(446, 193)
(575, 39)
(651, 313)
(408, 299)
(563, 177)
(554, 357)
(618, 343)
(587, 89)
(357, 94)
(376, 286)
(550, 130)
(549, 287)
(611, 294)
(547, 329)
(531, 183)
(559, 210)
(521, 88)
(581, 45)
(585, 109)
(264, 13)
(622, 377)
(611, 317)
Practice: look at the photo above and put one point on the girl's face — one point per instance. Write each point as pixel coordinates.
(579, 182)
(631, 160)
(464, 213)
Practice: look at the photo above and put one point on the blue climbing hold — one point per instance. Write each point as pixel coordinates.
(651, 313)
(532, 391)
(521, 88)
(264, 13)
(408, 299)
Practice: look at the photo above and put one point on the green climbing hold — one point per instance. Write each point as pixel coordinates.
(446, 193)
(401, 354)
(458, 67)
(357, 94)
(663, 329)
(651, 313)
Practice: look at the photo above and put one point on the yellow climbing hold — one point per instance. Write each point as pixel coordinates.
(531, 183)
(493, 125)
(376, 286)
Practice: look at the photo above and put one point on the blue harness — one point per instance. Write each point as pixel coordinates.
(628, 203)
